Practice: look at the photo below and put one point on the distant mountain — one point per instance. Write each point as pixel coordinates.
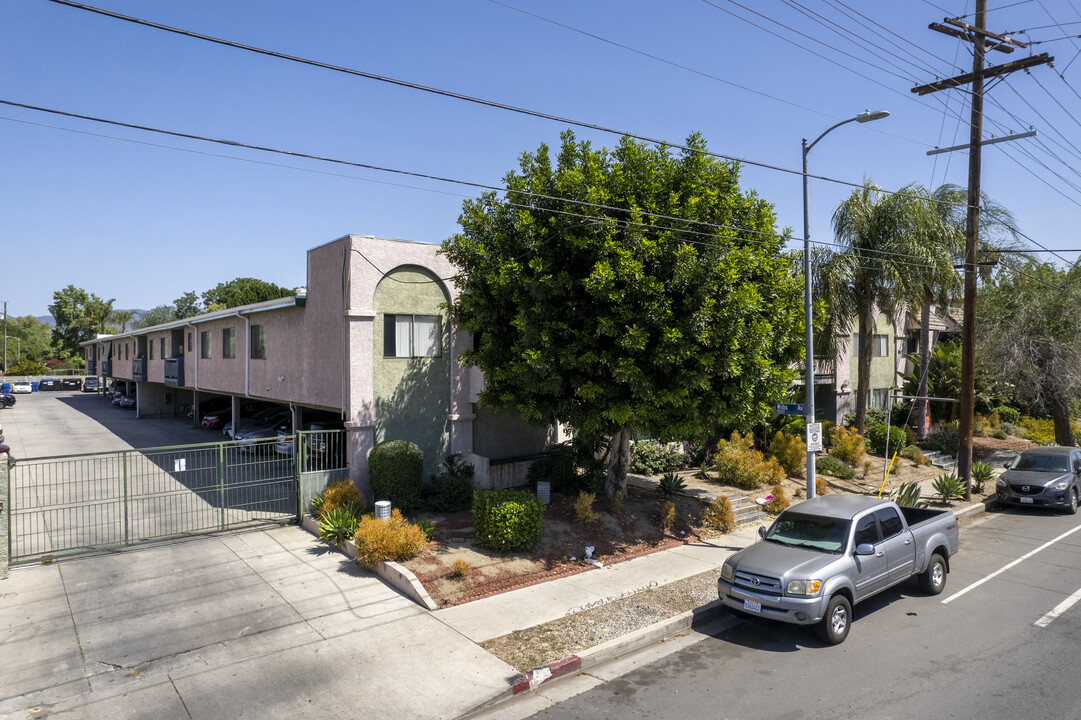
(46, 319)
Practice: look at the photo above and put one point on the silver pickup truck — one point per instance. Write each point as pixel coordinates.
(822, 556)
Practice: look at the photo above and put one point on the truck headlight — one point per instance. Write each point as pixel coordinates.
(727, 572)
(803, 587)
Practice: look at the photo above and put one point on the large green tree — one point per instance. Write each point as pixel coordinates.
(29, 338)
(1029, 333)
(628, 290)
(155, 316)
(77, 316)
(187, 305)
(241, 291)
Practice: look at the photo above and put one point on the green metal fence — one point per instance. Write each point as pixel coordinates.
(72, 504)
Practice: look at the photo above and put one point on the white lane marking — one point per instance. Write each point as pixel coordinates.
(1059, 609)
(1004, 568)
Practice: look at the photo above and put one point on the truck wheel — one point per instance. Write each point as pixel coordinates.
(833, 628)
(933, 579)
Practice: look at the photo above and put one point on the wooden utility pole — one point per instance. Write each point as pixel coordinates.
(976, 34)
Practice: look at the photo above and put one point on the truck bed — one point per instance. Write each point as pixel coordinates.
(915, 515)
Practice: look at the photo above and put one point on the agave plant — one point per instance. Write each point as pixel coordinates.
(338, 525)
(908, 495)
(981, 473)
(671, 484)
(949, 487)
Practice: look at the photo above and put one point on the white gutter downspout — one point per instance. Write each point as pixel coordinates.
(247, 352)
(196, 354)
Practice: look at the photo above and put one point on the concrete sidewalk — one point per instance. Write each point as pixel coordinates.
(264, 624)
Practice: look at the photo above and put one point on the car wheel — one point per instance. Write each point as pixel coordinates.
(1071, 509)
(834, 627)
(933, 579)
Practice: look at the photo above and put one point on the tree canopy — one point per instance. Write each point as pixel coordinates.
(78, 316)
(623, 290)
(241, 291)
(1029, 334)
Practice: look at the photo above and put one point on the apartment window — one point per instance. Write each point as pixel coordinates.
(189, 341)
(879, 397)
(228, 343)
(161, 344)
(412, 336)
(880, 345)
(258, 342)
(127, 351)
(151, 344)
(204, 345)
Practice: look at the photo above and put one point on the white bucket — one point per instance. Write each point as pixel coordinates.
(382, 509)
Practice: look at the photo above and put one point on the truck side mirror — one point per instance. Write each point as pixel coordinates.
(865, 549)
(761, 531)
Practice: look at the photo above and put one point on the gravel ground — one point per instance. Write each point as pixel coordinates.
(536, 646)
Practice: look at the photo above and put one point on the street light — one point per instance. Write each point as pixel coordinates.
(809, 405)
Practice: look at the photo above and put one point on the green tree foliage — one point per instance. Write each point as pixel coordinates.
(155, 316)
(187, 305)
(627, 289)
(78, 316)
(29, 339)
(1030, 335)
(121, 319)
(241, 291)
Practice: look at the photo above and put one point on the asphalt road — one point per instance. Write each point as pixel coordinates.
(1002, 641)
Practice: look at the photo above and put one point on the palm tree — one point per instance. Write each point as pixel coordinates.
(121, 318)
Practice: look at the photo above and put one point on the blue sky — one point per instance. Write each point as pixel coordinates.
(143, 218)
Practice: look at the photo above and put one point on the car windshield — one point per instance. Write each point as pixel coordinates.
(1036, 462)
(810, 531)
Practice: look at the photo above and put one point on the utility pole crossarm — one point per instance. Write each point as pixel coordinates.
(988, 72)
(956, 22)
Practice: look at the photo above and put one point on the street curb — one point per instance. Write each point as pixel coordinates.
(538, 676)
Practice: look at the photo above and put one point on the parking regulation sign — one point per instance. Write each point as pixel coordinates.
(814, 437)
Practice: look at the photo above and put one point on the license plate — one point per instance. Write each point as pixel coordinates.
(1025, 500)
(752, 606)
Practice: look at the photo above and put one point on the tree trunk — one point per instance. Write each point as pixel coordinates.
(863, 373)
(922, 414)
(1063, 430)
(619, 459)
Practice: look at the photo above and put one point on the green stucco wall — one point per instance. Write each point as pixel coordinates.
(883, 369)
(412, 395)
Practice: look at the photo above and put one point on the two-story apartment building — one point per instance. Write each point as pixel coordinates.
(368, 338)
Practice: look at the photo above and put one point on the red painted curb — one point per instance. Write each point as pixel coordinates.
(541, 675)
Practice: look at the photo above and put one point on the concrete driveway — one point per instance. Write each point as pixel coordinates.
(265, 624)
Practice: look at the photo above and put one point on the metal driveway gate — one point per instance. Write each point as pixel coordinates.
(79, 503)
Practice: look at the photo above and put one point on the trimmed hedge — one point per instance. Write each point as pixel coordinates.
(876, 439)
(507, 520)
(396, 468)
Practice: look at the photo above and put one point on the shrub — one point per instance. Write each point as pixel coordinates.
(719, 515)
(396, 469)
(1038, 430)
(848, 445)
(828, 427)
(461, 568)
(338, 495)
(555, 467)
(981, 473)
(338, 525)
(798, 492)
(830, 465)
(507, 520)
(668, 515)
(911, 452)
(583, 507)
(671, 484)
(453, 484)
(737, 463)
(617, 502)
(876, 439)
(1009, 414)
(791, 452)
(821, 487)
(652, 458)
(394, 538)
(943, 438)
(778, 502)
(999, 434)
(1011, 429)
(427, 527)
(908, 495)
(949, 487)
(317, 504)
(981, 425)
(866, 468)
